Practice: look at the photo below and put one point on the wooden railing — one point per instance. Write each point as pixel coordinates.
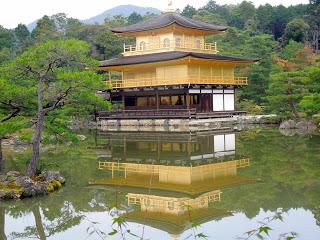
(162, 202)
(173, 45)
(155, 169)
(149, 82)
(164, 114)
(160, 113)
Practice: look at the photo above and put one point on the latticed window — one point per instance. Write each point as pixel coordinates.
(178, 42)
(143, 45)
(166, 43)
(198, 43)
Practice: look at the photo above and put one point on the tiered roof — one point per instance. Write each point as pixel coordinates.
(167, 19)
(173, 55)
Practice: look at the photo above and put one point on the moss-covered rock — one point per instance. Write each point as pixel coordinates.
(14, 185)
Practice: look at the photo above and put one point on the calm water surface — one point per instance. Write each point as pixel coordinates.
(173, 186)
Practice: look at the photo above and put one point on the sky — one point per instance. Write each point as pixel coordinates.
(13, 12)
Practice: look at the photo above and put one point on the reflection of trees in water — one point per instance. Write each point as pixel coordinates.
(46, 226)
(2, 223)
(286, 165)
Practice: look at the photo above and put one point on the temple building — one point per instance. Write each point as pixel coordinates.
(172, 72)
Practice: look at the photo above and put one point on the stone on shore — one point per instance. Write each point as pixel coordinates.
(14, 185)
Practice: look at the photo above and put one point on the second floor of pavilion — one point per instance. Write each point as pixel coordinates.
(174, 68)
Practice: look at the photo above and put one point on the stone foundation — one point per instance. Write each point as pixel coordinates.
(182, 125)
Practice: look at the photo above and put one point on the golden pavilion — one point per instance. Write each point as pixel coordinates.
(172, 72)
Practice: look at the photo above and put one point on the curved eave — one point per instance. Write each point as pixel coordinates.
(168, 57)
(176, 224)
(207, 30)
(168, 19)
(197, 188)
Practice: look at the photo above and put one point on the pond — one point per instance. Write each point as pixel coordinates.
(173, 186)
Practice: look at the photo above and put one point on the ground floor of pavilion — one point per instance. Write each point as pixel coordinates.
(174, 102)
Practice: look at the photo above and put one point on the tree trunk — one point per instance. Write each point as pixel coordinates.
(2, 223)
(39, 225)
(32, 168)
(1, 157)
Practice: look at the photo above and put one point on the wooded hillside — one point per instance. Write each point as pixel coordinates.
(286, 39)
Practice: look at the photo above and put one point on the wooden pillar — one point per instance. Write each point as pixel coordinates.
(186, 97)
(110, 80)
(123, 101)
(157, 99)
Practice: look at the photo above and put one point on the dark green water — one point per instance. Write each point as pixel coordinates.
(224, 183)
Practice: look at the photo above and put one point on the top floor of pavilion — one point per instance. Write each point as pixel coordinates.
(169, 32)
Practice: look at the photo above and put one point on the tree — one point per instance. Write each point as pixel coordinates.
(209, 17)
(310, 103)
(296, 30)
(72, 28)
(189, 11)
(65, 81)
(313, 19)
(22, 38)
(6, 38)
(242, 13)
(148, 16)
(21, 34)
(5, 55)
(13, 101)
(134, 18)
(265, 14)
(115, 21)
(45, 30)
(291, 82)
(211, 6)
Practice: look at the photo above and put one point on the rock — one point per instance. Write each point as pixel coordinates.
(13, 174)
(288, 132)
(82, 137)
(306, 125)
(50, 176)
(316, 119)
(10, 194)
(31, 188)
(289, 124)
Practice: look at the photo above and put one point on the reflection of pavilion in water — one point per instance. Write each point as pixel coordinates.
(185, 185)
(165, 149)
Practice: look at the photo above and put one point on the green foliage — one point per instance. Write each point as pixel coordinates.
(310, 103)
(209, 17)
(46, 29)
(249, 106)
(290, 50)
(6, 38)
(134, 18)
(188, 11)
(296, 30)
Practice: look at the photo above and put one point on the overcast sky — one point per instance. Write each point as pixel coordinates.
(13, 12)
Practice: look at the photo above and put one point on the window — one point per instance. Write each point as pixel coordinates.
(164, 100)
(166, 43)
(152, 101)
(143, 46)
(178, 42)
(198, 43)
(177, 100)
(194, 99)
(142, 101)
(171, 205)
(130, 101)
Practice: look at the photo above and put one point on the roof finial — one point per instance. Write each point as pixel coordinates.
(170, 8)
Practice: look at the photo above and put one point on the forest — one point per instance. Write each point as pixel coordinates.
(286, 39)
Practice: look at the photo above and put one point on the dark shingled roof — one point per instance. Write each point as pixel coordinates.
(167, 56)
(167, 19)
